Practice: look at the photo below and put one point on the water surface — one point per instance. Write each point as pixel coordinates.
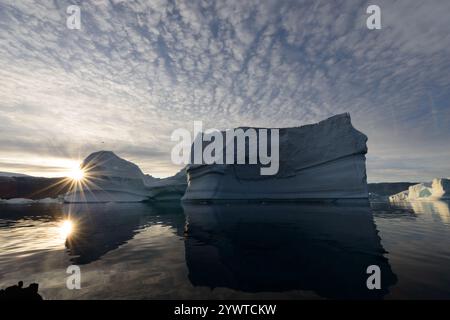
(234, 251)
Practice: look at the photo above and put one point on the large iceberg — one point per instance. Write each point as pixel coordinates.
(316, 162)
(109, 178)
(438, 189)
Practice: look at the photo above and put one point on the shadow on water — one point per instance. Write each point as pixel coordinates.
(282, 247)
(100, 228)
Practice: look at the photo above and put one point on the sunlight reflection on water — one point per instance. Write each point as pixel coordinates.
(29, 236)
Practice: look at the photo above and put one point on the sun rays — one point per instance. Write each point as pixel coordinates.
(80, 178)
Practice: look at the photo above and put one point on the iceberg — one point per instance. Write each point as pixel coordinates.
(29, 201)
(320, 161)
(171, 188)
(401, 196)
(109, 178)
(438, 189)
(381, 191)
(49, 200)
(17, 201)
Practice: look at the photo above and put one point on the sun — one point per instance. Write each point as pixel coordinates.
(76, 174)
(65, 228)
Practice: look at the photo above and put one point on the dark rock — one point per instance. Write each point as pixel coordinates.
(32, 187)
(18, 292)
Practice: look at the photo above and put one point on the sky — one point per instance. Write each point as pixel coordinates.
(137, 70)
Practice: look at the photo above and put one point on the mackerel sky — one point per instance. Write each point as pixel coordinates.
(137, 70)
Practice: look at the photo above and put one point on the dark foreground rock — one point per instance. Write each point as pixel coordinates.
(18, 292)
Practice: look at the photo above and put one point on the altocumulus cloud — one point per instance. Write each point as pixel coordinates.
(139, 69)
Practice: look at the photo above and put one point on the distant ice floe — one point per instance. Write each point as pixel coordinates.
(439, 189)
(29, 201)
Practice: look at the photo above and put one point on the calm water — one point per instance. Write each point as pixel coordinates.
(249, 251)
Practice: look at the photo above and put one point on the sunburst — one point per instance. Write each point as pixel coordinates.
(76, 174)
(79, 178)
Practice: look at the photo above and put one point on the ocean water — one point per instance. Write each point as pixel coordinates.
(228, 251)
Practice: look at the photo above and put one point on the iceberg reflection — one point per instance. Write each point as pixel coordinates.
(437, 208)
(282, 247)
(100, 228)
(434, 208)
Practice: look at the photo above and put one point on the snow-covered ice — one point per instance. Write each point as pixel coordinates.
(319, 161)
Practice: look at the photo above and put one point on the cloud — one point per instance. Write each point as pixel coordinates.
(139, 69)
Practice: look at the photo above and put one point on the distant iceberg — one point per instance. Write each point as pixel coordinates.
(438, 189)
(21, 201)
(319, 161)
(17, 201)
(109, 178)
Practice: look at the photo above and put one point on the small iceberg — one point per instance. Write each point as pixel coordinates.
(438, 189)
(29, 201)
(17, 201)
